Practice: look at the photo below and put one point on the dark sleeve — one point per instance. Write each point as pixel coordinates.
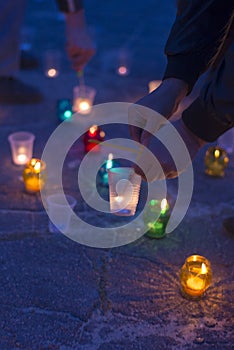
(70, 5)
(195, 37)
(210, 115)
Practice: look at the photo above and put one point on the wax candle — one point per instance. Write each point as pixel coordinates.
(92, 138)
(216, 161)
(156, 217)
(195, 276)
(34, 175)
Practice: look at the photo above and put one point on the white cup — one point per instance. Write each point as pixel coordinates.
(124, 188)
(21, 143)
(83, 97)
(59, 210)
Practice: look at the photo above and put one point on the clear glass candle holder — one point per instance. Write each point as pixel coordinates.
(52, 63)
(195, 276)
(59, 211)
(83, 97)
(156, 216)
(216, 161)
(34, 175)
(124, 188)
(21, 144)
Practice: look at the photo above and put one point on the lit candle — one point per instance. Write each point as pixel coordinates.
(34, 175)
(216, 161)
(21, 143)
(52, 73)
(156, 217)
(122, 70)
(92, 138)
(195, 276)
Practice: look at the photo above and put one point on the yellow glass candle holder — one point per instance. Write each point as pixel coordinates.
(195, 276)
(216, 161)
(34, 175)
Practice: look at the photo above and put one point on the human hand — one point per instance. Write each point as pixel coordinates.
(162, 163)
(80, 47)
(164, 100)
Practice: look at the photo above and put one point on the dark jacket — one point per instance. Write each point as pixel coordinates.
(201, 39)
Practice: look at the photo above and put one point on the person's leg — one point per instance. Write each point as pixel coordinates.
(11, 20)
(12, 90)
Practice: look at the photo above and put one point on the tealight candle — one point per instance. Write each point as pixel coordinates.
(195, 276)
(122, 70)
(34, 175)
(156, 217)
(52, 63)
(153, 85)
(92, 138)
(83, 97)
(216, 160)
(21, 143)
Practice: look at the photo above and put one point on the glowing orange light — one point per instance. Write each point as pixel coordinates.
(52, 73)
(122, 70)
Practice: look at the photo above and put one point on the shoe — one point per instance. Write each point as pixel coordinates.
(228, 224)
(14, 91)
(28, 61)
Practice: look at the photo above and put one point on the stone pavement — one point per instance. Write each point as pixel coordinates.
(57, 294)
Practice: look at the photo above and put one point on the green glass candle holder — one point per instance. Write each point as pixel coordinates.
(216, 161)
(156, 217)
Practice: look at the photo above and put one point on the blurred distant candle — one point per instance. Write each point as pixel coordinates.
(216, 160)
(52, 63)
(34, 175)
(92, 138)
(156, 217)
(21, 143)
(195, 276)
(153, 85)
(122, 70)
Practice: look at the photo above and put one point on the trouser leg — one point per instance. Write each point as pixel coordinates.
(12, 14)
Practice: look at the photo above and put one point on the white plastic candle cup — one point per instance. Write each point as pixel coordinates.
(59, 210)
(83, 97)
(21, 143)
(52, 62)
(124, 188)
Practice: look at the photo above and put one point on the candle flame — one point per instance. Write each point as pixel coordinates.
(119, 199)
(93, 129)
(84, 106)
(52, 72)
(37, 166)
(22, 158)
(164, 204)
(122, 70)
(203, 269)
(217, 153)
(110, 156)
